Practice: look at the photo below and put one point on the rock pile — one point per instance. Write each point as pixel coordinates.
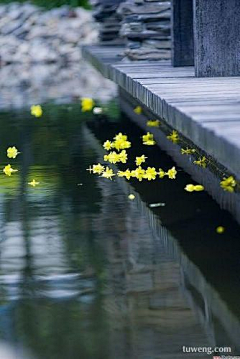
(29, 34)
(146, 26)
(40, 56)
(106, 14)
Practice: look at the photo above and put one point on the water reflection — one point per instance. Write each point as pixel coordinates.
(82, 274)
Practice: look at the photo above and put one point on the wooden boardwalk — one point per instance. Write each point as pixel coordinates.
(204, 110)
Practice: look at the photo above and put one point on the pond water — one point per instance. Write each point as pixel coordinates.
(87, 273)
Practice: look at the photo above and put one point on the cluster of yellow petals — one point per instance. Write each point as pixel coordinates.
(148, 139)
(153, 123)
(121, 143)
(194, 188)
(228, 184)
(173, 137)
(188, 151)
(36, 110)
(114, 157)
(202, 162)
(8, 170)
(138, 110)
(87, 104)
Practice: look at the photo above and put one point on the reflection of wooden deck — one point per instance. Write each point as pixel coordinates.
(204, 110)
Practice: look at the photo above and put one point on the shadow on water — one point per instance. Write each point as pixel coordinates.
(83, 274)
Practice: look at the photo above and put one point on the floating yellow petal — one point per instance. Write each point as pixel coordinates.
(153, 123)
(148, 139)
(228, 184)
(33, 183)
(126, 174)
(98, 168)
(107, 145)
(192, 188)
(120, 136)
(122, 156)
(172, 173)
(36, 110)
(12, 152)
(202, 162)
(150, 173)
(138, 110)
(108, 173)
(121, 144)
(161, 173)
(173, 137)
(139, 160)
(138, 173)
(8, 170)
(220, 229)
(187, 151)
(87, 104)
(131, 196)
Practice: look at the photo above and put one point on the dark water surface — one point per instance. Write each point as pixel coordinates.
(86, 273)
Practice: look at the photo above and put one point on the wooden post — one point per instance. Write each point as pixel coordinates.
(182, 33)
(217, 37)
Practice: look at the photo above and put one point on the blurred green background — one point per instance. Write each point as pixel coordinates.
(49, 4)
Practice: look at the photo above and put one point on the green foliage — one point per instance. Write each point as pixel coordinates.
(54, 3)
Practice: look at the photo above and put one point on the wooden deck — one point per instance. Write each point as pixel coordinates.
(205, 110)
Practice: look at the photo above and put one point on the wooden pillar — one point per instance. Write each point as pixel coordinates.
(217, 37)
(182, 33)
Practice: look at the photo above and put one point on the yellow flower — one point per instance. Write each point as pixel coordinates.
(148, 139)
(220, 230)
(8, 170)
(122, 156)
(150, 173)
(120, 136)
(202, 162)
(187, 151)
(161, 173)
(192, 188)
(228, 184)
(154, 123)
(113, 157)
(173, 137)
(172, 173)
(131, 196)
(108, 173)
(120, 144)
(138, 110)
(12, 152)
(140, 160)
(87, 104)
(36, 111)
(98, 168)
(107, 145)
(139, 173)
(105, 157)
(126, 174)
(33, 183)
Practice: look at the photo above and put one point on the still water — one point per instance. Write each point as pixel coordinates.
(85, 273)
